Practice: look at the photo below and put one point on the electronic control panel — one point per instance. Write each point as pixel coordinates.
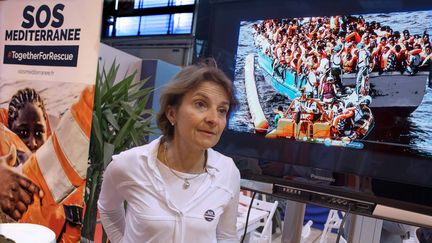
(322, 199)
(309, 196)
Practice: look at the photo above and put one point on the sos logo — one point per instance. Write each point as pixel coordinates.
(43, 16)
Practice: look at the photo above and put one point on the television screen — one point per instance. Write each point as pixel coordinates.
(345, 80)
(329, 103)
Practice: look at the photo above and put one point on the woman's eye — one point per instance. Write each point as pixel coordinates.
(23, 133)
(200, 105)
(223, 111)
(39, 133)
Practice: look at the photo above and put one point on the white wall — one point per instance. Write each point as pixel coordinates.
(128, 63)
(177, 50)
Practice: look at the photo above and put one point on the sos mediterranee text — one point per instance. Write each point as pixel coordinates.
(43, 18)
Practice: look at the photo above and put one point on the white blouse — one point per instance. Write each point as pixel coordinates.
(174, 185)
(152, 215)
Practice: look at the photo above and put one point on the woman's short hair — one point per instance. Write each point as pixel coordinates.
(187, 79)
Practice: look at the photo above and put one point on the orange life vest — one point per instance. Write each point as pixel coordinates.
(59, 168)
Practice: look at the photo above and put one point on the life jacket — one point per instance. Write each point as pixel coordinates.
(385, 58)
(4, 116)
(390, 61)
(362, 124)
(292, 30)
(349, 64)
(348, 113)
(415, 51)
(59, 168)
(378, 50)
(353, 36)
(401, 56)
(414, 57)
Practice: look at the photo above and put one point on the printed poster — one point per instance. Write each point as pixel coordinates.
(49, 54)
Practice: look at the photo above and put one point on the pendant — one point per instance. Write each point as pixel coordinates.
(186, 184)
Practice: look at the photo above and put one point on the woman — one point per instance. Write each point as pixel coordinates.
(177, 188)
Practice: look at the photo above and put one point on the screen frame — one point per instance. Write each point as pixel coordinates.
(218, 23)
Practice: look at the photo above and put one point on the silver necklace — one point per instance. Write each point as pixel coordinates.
(186, 183)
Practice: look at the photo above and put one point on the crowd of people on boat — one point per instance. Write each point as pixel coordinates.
(349, 120)
(322, 47)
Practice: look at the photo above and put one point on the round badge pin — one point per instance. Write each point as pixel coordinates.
(209, 215)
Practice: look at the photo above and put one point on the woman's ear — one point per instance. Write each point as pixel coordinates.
(171, 114)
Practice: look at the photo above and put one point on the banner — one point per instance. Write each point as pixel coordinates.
(48, 63)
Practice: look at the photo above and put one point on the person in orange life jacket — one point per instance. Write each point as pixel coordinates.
(343, 123)
(353, 35)
(288, 58)
(327, 115)
(314, 63)
(400, 55)
(349, 62)
(26, 116)
(27, 130)
(378, 52)
(425, 41)
(414, 59)
(349, 47)
(413, 40)
(388, 59)
(361, 24)
(366, 40)
(405, 36)
(391, 42)
(426, 56)
(177, 188)
(376, 25)
(59, 168)
(333, 109)
(321, 51)
(17, 192)
(374, 54)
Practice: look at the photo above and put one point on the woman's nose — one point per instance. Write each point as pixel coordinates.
(211, 116)
(32, 143)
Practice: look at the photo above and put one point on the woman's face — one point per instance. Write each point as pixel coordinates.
(201, 117)
(30, 126)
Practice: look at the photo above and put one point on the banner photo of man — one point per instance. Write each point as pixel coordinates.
(49, 54)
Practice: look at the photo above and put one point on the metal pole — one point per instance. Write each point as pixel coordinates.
(293, 222)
